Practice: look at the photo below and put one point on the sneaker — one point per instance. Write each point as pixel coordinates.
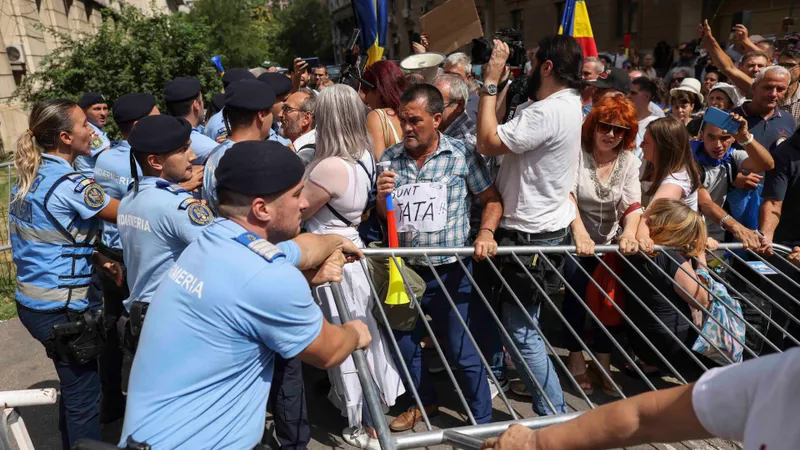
(357, 437)
(519, 388)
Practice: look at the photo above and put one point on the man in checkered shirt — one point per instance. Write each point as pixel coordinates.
(431, 177)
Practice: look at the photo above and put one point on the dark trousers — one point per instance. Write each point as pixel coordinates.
(486, 331)
(575, 312)
(287, 401)
(672, 350)
(458, 349)
(790, 304)
(111, 360)
(79, 411)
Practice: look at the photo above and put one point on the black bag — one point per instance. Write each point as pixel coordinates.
(519, 280)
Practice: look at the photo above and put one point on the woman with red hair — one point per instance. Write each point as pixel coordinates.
(383, 122)
(607, 194)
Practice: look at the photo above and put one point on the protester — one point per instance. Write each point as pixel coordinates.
(592, 68)
(610, 80)
(460, 64)
(340, 177)
(415, 78)
(216, 395)
(649, 69)
(216, 128)
(540, 147)
(751, 64)
(53, 209)
(620, 58)
(297, 119)
(431, 167)
(709, 81)
(676, 76)
(686, 100)
(325, 84)
(642, 93)
(184, 98)
(789, 59)
(95, 107)
(724, 96)
(282, 87)
(319, 75)
(769, 125)
(384, 99)
(607, 195)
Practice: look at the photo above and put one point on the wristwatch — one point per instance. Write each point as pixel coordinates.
(490, 89)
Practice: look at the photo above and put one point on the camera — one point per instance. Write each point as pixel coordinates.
(482, 48)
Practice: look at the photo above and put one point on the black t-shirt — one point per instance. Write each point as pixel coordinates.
(783, 183)
(652, 298)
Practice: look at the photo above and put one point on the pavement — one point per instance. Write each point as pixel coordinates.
(24, 365)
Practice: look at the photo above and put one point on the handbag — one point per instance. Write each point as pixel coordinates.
(728, 339)
(400, 317)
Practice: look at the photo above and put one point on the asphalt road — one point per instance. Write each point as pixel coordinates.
(24, 365)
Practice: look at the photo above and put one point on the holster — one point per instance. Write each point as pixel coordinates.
(130, 327)
(78, 341)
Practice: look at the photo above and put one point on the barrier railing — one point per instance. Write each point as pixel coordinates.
(769, 320)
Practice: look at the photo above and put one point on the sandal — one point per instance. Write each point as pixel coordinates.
(605, 384)
(648, 370)
(585, 382)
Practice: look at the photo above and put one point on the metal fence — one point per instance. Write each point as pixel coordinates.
(770, 312)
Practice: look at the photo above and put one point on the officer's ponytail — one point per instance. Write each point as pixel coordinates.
(49, 118)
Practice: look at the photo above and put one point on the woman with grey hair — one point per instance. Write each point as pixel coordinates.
(677, 75)
(339, 181)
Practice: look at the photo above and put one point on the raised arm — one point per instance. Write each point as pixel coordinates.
(759, 158)
(489, 142)
(723, 61)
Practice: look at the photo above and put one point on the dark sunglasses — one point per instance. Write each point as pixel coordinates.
(678, 79)
(605, 128)
(789, 66)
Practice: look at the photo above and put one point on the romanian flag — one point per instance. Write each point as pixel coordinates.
(372, 18)
(575, 22)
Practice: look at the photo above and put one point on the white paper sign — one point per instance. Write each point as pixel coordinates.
(421, 207)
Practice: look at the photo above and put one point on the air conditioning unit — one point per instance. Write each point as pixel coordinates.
(16, 54)
(405, 13)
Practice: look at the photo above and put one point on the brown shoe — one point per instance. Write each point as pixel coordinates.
(413, 416)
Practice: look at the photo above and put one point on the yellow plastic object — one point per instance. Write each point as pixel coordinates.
(396, 295)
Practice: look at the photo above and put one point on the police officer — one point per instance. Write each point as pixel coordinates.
(282, 86)
(113, 173)
(184, 98)
(95, 107)
(217, 102)
(54, 219)
(248, 105)
(215, 128)
(157, 218)
(230, 305)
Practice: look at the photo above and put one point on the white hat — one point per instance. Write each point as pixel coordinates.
(690, 85)
(730, 91)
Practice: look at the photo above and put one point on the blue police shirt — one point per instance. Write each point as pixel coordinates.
(215, 127)
(113, 173)
(275, 136)
(201, 145)
(155, 226)
(770, 132)
(99, 142)
(203, 369)
(210, 179)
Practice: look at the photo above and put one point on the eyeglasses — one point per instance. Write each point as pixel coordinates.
(678, 79)
(605, 128)
(286, 109)
(789, 66)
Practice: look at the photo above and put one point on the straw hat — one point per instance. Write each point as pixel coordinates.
(689, 85)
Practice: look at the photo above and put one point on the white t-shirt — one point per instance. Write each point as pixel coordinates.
(755, 402)
(640, 134)
(535, 179)
(683, 181)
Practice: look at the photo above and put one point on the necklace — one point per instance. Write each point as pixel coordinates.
(604, 191)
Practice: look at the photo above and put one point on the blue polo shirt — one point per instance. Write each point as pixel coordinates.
(770, 132)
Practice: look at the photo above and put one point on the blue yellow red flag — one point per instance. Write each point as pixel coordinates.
(372, 17)
(575, 22)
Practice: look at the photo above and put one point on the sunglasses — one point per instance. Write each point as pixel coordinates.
(678, 79)
(789, 66)
(605, 128)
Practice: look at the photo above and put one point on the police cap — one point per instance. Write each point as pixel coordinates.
(91, 98)
(250, 95)
(279, 83)
(181, 89)
(132, 107)
(218, 101)
(159, 134)
(259, 168)
(236, 75)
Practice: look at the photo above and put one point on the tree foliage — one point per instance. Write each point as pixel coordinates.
(301, 30)
(131, 52)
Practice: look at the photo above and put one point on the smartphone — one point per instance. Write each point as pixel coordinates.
(741, 17)
(721, 119)
(312, 62)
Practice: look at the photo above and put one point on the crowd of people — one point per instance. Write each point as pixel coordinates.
(222, 226)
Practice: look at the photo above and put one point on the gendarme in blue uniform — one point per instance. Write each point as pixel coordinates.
(215, 127)
(113, 173)
(85, 163)
(210, 179)
(53, 232)
(204, 365)
(202, 145)
(155, 226)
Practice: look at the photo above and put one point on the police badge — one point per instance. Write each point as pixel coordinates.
(96, 142)
(94, 196)
(199, 213)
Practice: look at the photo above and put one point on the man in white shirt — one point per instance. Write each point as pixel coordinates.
(620, 58)
(643, 90)
(296, 117)
(540, 147)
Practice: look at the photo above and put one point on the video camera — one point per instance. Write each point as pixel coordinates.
(482, 48)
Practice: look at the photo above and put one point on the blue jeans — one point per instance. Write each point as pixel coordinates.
(458, 349)
(79, 402)
(485, 330)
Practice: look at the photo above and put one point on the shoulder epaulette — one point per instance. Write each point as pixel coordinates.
(261, 247)
(172, 187)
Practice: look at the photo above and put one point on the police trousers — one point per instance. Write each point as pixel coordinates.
(287, 401)
(79, 409)
(112, 359)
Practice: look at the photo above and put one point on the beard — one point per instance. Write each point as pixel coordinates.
(534, 82)
(290, 129)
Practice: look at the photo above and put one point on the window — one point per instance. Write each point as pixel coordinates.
(626, 17)
(517, 22)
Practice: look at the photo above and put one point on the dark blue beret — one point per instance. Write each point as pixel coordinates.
(181, 89)
(91, 98)
(279, 83)
(132, 107)
(235, 75)
(159, 134)
(259, 168)
(250, 95)
(218, 101)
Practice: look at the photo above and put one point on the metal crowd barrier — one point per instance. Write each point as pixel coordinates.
(5, 244)
(724, 272)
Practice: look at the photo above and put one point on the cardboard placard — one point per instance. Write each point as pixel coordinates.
(451, 25)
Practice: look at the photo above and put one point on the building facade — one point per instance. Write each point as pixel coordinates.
(648, 21)
(23, 44)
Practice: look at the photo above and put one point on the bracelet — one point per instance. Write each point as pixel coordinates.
(487, 229)
(747, 142)
(722, 221)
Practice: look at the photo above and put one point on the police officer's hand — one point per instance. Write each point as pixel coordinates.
(385, 183)
(110, 267)
(515, 437)
(485, 246)
(197, 179)
(350, 250)
(222, 138)
(361, 331)
(331, 270)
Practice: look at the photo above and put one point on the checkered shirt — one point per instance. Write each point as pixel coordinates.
(458, 167)
(792, 105)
